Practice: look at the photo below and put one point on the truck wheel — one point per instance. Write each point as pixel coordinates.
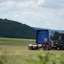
(44, 47)
(49, 48)
(34, 48)
(58, 48)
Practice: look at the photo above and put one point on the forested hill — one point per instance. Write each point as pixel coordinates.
(13, 29)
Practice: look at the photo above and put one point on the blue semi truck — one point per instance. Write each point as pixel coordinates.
(44, 41)
(43, 37)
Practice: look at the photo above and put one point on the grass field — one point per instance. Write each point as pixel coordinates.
(15, 51)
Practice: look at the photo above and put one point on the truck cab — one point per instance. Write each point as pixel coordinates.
(43, 37)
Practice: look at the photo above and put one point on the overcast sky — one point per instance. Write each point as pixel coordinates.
(35, 13)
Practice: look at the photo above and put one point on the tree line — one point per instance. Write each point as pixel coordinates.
(14, 29)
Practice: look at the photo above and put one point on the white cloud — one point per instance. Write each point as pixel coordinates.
(11, 3)
(2, 6)
(38, 13)
(28, 4)
(25, 4)
(8, 5)
(53, 4)
(40, 2)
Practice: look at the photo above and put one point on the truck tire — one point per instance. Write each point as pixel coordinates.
(49, 47)
(58, 48)
(34, 48)
(44, 47)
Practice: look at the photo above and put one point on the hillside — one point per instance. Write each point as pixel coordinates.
(14, 29)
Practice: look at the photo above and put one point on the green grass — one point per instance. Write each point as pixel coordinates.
(15, 51)
(42, 58)
(16, 41)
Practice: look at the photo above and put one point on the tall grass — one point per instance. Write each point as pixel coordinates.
(15, 51)
(48, 58)
(42, 58)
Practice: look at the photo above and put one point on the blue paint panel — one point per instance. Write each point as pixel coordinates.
(42, 36)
